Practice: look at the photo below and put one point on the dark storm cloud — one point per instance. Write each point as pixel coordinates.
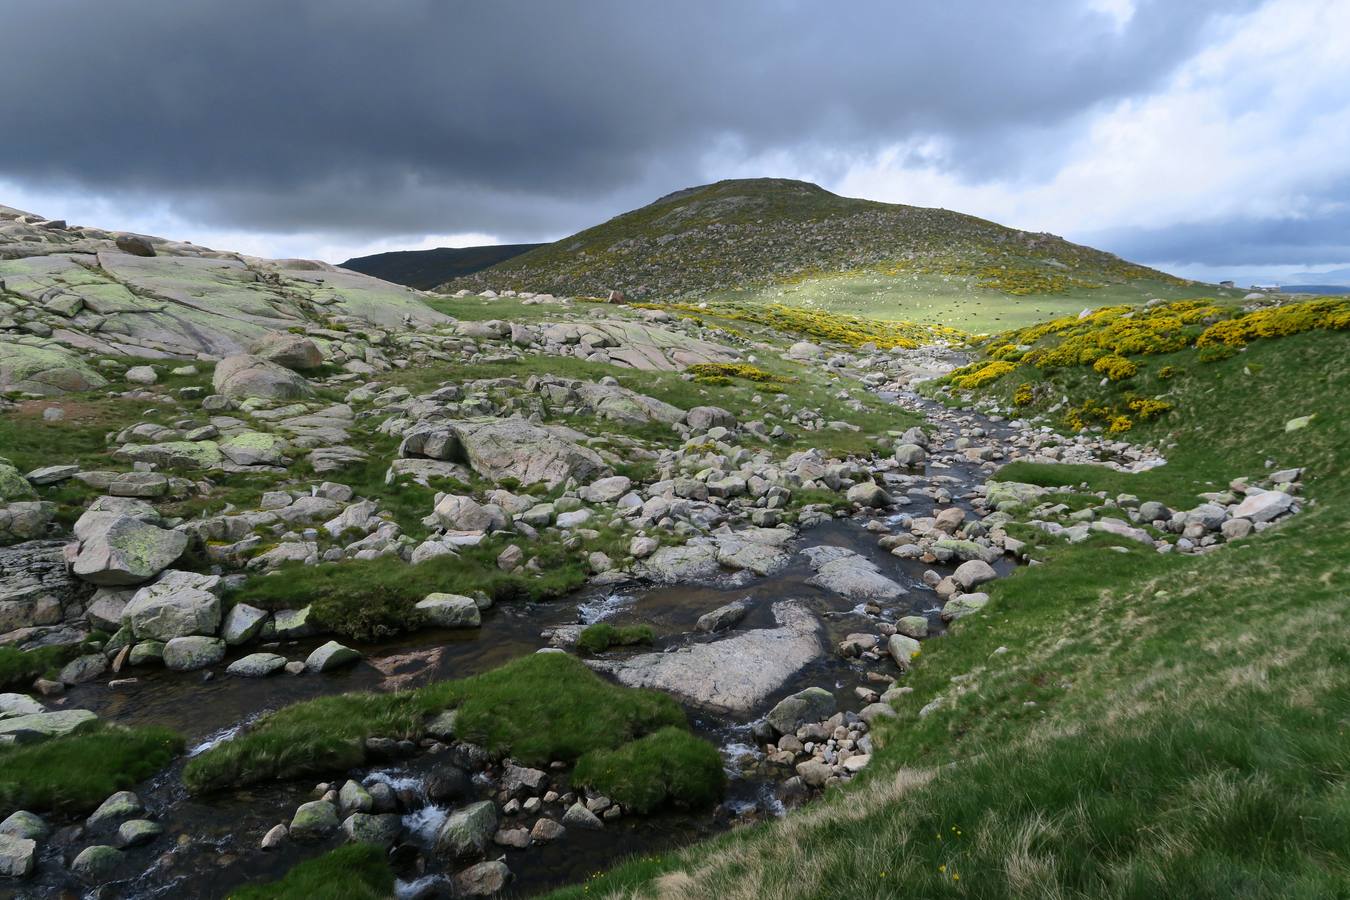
(1308, 240)
(526, 118)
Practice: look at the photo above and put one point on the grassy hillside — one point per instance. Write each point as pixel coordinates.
(424, 269)
(1119, 723)
(959, 301)
(741, 234)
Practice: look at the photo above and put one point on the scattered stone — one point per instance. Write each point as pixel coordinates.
(275, 837)
(185, 654)
(450, 611)
(135, 832)
(972, 573)
(257, 665)
(724, 617)
(466, 832)
(486, 879)
(381, 829)
(24, 824)
(330, 656)
(97, 863)
(578, 816)
(811, 705)
(120, 805)
(17, 856)
(314, 820)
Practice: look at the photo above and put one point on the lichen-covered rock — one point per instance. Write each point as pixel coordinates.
(313, 820)
(185, 654)
(459, 513)
(244, 377)
(811, 705)
(25, 520)
(40, 726)
(13, 486)
(177, 605)
(486, 879)
(97, 863)
(242, 624)
(121, 805)
(450, 611)
(136, 832)
(330, 656)
(467, 832)
(38, 367)
(381, 829)
(255, 448)
(509, 448)
(293, 351)
(257, 665)
(121, 543)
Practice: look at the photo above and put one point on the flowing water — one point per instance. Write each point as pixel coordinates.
(213, 841)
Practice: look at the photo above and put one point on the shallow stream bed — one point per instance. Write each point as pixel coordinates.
(211, 844)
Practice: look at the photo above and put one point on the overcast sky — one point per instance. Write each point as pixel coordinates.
(1210, 138)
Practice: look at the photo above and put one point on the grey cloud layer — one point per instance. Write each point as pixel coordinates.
(530, 118)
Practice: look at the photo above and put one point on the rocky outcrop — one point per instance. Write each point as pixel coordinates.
(292, 351)
(39, 601)
(120, 542)
(509, 448)
(734, 674)
(86, 292)
(851, 575)
(244, 377)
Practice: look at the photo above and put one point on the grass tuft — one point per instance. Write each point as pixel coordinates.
(601, 636)
(353, 872)
(77, 772)
(670, 766)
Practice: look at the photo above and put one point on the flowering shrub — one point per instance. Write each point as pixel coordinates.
(1326, 313)
(1116, 368)
(1024, 394)
(724, 371)
(1146, 408)
(978, 375)
(843, 329)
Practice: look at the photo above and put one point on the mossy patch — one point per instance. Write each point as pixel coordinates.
(540, 708)
(668, 767)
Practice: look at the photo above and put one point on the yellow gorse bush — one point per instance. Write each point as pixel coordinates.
(855, 331)
(979, 375)
(1116, 368)
(736, 370)
(1328, 313)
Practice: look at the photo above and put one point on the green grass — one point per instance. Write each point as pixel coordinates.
(373, 599)
(1156, 726)
(1228, 420)
(539, 708)
(19, 668)
(951, 300)
(353, 872)
(75, 773)
(601, 636)
(669, 766)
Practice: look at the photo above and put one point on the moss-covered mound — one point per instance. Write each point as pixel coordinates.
(670, 766)
(540, 708)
